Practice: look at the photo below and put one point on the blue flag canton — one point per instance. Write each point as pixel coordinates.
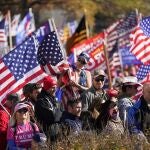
(114, 50)
(22, 59)
(143, 72)
(129, 22)
(145, 26)
(49, 51)
(2, 24)
(127, 57)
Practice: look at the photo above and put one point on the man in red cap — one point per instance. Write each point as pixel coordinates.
(47, 106)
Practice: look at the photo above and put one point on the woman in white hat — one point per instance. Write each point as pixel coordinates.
(21, 130)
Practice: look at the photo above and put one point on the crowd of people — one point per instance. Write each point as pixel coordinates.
(84, 106)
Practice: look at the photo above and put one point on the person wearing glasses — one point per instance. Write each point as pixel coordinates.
(94, 96)
(92, 100)
(79, 80)
(20, 130)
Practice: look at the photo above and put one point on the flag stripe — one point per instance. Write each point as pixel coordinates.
(29, 77)
(140, 41)
(120, 31)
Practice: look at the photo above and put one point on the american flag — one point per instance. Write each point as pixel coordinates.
(3, 37)
(25, 28)
(114, 60)
(14, 24)
(140, 41)
(121, 31)
(50, 55)
(143, 73)
(19, 67)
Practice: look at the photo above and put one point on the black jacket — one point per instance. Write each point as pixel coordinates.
(46, 110)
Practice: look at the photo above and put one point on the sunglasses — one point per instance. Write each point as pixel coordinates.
(82, 61)
(23, 110)
(100, 79)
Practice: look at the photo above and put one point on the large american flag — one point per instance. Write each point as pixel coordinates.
(121, 30)
(140, 41)
(19, 67)
(50, 55)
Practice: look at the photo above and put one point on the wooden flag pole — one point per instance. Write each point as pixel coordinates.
(106, 60)
(9, 30)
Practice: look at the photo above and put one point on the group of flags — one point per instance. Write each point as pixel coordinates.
(41, 53)
(15, 28)
(27, 62)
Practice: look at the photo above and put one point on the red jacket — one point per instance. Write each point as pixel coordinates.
(4, 120)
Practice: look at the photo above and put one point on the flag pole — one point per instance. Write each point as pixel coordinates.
(5, 109)
(9, 24)
(86, 24)
(106, 60)
(120, 59)
(33, 20)
(55, 29)
(65, 58)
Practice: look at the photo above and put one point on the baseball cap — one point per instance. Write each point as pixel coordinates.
(20, 106)
(85, 56)
(99, 73)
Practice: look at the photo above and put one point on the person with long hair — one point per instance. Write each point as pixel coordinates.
(21, 131)
(109, 122)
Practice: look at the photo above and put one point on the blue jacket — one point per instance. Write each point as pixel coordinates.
(138, 116)
(124, 104)
(71, 121)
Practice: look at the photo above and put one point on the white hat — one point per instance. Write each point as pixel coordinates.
(131, 80)
(20, 106)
